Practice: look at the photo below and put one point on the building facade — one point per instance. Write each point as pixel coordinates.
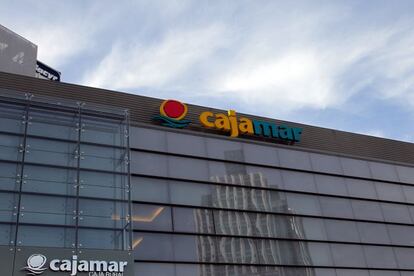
(96, 173)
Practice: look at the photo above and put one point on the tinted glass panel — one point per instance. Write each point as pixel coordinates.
(392, 192)
(150, 190)
(325, 163)
(54, 124)
(383, 171)
(194, 220)
(152, 217)
(145, 138)
(355, 167)
(9, 176)
(46, 236)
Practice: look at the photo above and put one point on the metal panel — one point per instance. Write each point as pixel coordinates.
(17, 55)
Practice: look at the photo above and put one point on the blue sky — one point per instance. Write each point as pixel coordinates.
(339, 64)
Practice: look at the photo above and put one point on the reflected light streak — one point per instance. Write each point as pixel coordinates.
(137, 242)
(148, 218)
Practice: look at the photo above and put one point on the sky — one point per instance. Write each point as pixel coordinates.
(344, 65)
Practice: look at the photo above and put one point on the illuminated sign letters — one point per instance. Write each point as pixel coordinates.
(172, 114)
(235, 126)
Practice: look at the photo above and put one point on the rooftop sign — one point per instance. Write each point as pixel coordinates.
(172, 114)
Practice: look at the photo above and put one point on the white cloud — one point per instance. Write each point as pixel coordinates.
(288, 61)
(132, 64)
(278, 56)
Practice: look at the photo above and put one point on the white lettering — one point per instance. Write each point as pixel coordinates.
(83, 266)
(122, 266)
(74, 265)
(54, 265)
(98, 266)
(113, 266)
(65, 266)
(93, 267)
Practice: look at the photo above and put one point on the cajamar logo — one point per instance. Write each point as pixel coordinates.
(35, 264)
(172, 113)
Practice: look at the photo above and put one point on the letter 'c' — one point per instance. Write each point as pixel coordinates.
(53, 265)
(204, 119)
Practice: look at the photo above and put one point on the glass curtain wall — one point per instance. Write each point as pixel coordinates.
(64, 174)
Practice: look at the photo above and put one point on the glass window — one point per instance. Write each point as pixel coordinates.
(102, 239)
(186, 144)
(8, 207)
(155, 269)
(320, 254)
(294, 159)
(367, 210)
(336, 207)
(324, 272)
(7, 234)
(373, 233)
(149, 164)
(103, 185)
(234, 223)
(51, 152)
(263, 177)
(341, 230)
(258, 154)
(298, 181)
(232, 173)
(380, 257)
(396, 213)
(348, 255)
(351, 272)
(388, 191)
(9, 176)
(103, 158)
(151, 217)
(262, 225)
(187, 168)
(53, 124)
(103, 213)
(11, 118)
(49, 180)
(11, 147)
(331, 185)
(314, 228)
(46, 236)
(193, 194)
(404, 257)
(37, 209)
(405, 174)
(325, 163)
(361, 188)
(408, 193)
(384, 273)
(383, 171)
(194, 248)
(146, 138)
(193, 220)
(103, 131)
(150, 190)
(355, 167)
(401, 234)
(236, 250)
(303, 204)
(224, 149)
(153, 247)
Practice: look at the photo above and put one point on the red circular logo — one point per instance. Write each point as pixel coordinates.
(173, 109)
